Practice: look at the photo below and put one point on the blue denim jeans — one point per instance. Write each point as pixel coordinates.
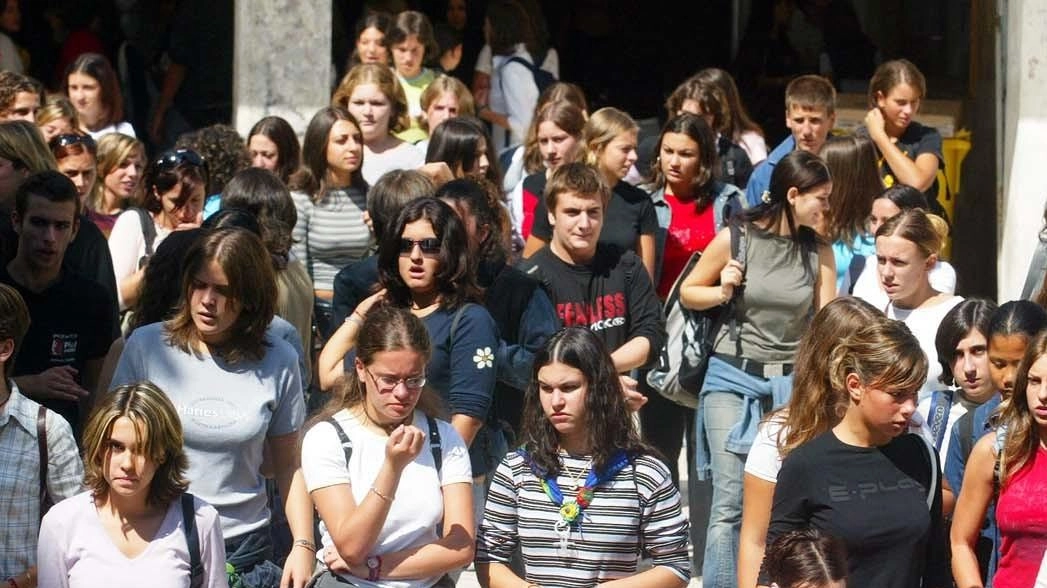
(720, 411)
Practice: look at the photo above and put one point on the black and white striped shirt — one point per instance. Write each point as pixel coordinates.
(330, 234)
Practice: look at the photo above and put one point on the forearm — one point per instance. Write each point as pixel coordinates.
(131, 288)
(750, 556)
(632, 354)
(356, 533)
(330, 364)
(432, 559)
(298, 507)
(965, 568)
(173, 78)
(498, 575)
(702, 297)
(656, 577)
(466, 426)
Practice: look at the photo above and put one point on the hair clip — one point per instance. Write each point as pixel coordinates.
(766, 197)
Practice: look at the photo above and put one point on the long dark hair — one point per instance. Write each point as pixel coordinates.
(288, 151)
(455, 278)
(803, 171)
(480, 201)
(697, 130)
(312, 178)
(456, 142)
(610, 425)
(98, 68)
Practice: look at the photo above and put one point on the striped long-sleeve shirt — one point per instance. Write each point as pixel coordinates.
(330, 234)
(634, 515)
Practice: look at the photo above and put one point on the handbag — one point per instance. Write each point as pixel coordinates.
(691, 335)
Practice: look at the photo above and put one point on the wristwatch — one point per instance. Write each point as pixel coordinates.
(374, 567)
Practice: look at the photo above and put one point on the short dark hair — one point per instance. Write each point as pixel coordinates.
(905, 197)
(14, 322)
(263, 195)
(456, 276)
(11, 85)
(811, 91)
(388, 196)
(1017, 317)
(52, 185)
(972, 314)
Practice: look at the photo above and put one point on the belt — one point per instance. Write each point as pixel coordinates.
(756, 368)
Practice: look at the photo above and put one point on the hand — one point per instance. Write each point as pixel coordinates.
(368, 221)
(57, 383)
(438, 171)
(298, 568)
(731, 277)
(405, 443)
(631, 391)
(368, 303)
(875, 124)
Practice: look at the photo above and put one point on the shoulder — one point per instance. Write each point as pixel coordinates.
(85, 289)
(64, 514)
(205, 514)
(129, 220)
(651, 471)
(279, 351)
(146, 335)
(631, 193)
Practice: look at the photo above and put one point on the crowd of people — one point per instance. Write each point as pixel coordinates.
(421, 337)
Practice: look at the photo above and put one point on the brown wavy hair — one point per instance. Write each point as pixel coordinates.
(158, 430)
(884, 354)
(852, 162)
(566, 115)
(383, 77)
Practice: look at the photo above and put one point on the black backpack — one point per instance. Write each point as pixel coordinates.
(542, 78)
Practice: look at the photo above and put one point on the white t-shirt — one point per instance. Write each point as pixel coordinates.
(403, 156)
(867, 287)
(417, 507)
(127, 245)
(124, 128)
(514, 93)
(754, 145)
(484, 62)
(923, 322)
(76, 551)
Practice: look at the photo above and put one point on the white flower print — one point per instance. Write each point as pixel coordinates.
(484, 358)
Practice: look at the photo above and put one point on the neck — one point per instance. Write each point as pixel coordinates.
(385, 427)
(33, 278)
(424, 300)
(925, 293)
(337, 178)
(5, 392)
(572, 256)
(576, 444)
(110, 203)
(681, 190)
(783, 227)
(854, 432)
(128, 507)
(381, 143)
(610, 177)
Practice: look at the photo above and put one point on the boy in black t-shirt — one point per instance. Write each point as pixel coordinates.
(72, 317)
(598, 286)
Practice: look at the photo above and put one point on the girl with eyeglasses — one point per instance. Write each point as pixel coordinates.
(391, 482)
(424, 265)
(175, 187)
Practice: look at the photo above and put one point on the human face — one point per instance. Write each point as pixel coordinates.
(418, 269)
(1036, 391)
(556, 145)
(619, 155)
(882, 211)
(10, 178)
(370, 46)
(59, 126)
(175, 214)
(692, 106)
(344, 149)
(86, 95)
(899, 106)
(576, 220)
(44, 232)
(885, 411)
(408, 56)
(562, 390)
(456, 14)
(480, 161)
(122, 181)
(1005, 353)
(810, 207)
(24, 107)
(392, 404)
(264, 153)
(444, 107)
(902, 268)
(809, 127)
(372, 109)
(970, 367)
(213, 308)
(81, 169)
(473, 230)
(679, 160)
(11, 19)
(128, 471)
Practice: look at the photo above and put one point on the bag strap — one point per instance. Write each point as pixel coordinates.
(935, 474)
(41, 444)
(148, 229)
(938, 415)
(739, 251)
(347, 445)
(435, 444)
(454, 322)
(1037, 268)
(192, 541)
(1001, 438)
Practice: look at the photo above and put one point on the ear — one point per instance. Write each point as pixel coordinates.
(930, 262)
(854, 387)
(881, 99)
(552, 219)
(792, 194)
(7, 350)
(16, 222)
(361, 373)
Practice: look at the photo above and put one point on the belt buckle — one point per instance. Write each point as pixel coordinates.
(771, 370)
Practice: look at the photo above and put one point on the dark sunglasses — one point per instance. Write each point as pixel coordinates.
(175, 158)
(429, 246)
(68, 139)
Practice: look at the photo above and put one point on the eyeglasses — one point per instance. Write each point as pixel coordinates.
(430, 246)
(388, 383)
(170, 159)
(67, 139)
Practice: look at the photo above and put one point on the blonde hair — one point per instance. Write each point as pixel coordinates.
(602, 128)
(927, 231)
(385, 79)
(444, 84)
(884, 354)
(56, 107)
(113, 150)
(158, 432)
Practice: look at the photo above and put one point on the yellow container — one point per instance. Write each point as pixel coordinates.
(954, 150)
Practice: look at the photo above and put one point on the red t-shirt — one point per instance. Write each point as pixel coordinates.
(689, 231)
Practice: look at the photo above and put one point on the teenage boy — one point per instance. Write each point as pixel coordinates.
(19, 97)
(810, 113)
(72, 316)
(595, 285)
(21, 450)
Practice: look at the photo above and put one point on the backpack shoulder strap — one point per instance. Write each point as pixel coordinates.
(938, 415)
(347, 445)
(148, 229)
(192, 540)
(932, 481)
(41, 444)
(457, 319)
(435, 444)
(739, 251)
(1001, 439)
(1034, 278)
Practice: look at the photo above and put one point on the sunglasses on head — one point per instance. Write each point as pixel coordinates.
(172, 159)
(430, 246)
(67, 139)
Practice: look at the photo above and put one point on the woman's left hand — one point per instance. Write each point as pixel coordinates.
(298, 569)
(335, 563)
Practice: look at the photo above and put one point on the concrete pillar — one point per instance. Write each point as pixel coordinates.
(1024, 142)
(281, 61)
